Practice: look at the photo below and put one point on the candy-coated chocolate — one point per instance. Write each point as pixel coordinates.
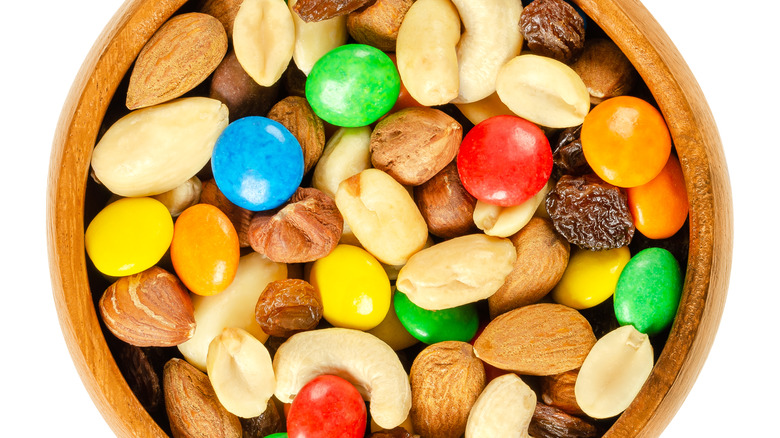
(277, 435)
(625, 141)
(660, 207)
(205, 249)
(354, 288)
(326, 407)
(257, 163)
(432, 326)
(504, 160)
(590, 277)
(129, 236)
(648, 291)
(353, 85)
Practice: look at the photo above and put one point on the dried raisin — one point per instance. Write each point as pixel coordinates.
(288, 306)
(553, 28)
(317, 10)
(568, 158)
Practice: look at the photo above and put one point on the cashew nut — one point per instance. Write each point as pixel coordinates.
(312, 40)
(457, 271)
(347, 153)
(233, 307)
(361, 358)
(500, 221)
(491, 38)
(240, 370)
(263, 39)
(504, 409)
(426, 51)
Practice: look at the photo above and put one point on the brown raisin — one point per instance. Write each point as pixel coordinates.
(267, 423)
(590, 213)
(568, 158)
(318, 10)
(553, 28)
(550, 422)
(288, 306)
(397, 432)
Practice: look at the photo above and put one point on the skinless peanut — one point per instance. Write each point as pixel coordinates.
(484, 109)
(382, 215)
(264, 39)
(500, 221)
(312, 40)
(425, 50)
(457, 271)
(491, 38)
(347, 153)
(181, 197)
(504, 409)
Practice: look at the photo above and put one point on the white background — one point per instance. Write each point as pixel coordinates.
(731, 47)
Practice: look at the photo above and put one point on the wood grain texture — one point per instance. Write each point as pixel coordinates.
(627, 22)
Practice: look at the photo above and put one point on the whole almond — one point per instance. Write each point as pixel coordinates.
(180, 55)
(558, 391)
(540, 340)
(151, 308)
(446, 378)
(542, 256)
(296, 115)
(192, 405)
(414, 144)
(223, 10)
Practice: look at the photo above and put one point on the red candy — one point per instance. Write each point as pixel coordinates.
(327, 407)
(504, 160)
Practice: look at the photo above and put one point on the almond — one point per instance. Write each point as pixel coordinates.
(192, 405)
(558, 391)
(180, 55)
(151, 308)
(223, 10)
(377, 24)
(295, 113)
(446, 378)
(540, 340)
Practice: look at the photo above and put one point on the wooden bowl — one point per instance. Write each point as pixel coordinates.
(627, 22)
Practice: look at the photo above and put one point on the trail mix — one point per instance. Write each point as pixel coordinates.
(386, 218)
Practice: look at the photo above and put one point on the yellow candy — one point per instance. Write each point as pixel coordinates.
(590, 277)
(129, 236)
(354, 288)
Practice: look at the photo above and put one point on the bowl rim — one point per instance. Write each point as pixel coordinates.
(626, 22)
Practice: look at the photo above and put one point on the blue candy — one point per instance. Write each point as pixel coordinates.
(257, 163)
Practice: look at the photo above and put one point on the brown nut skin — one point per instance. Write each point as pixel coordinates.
(267, 423)
(307, 228)
(414, 144)
(377, 25)
(194, 410)
(239, 92)
(240, 217)
(296, 115)
(550, 422)
(223, 10)
(396, 432)
(317, 10)
(446, 380)
(542, 257)
(148, 309)
(558, 391)
(287, 307)
(446, 206)
(553, 28)
(605, 70)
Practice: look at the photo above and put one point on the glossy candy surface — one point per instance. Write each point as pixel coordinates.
(257, 163)
(590, 277)
(625, 140)
(327, 407)
(648, 291)
(205, 249)
(660, 207)
(504, 160)
(431, 326)
(354, 288)
(353, 85)
(129, 236)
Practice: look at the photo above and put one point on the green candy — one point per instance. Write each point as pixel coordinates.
(277, 435)
(432, 326)
(353, 85)
(648, 291)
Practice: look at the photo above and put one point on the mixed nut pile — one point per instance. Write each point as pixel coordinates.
(389, 218)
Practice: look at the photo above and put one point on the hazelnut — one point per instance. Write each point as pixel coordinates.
(445, 204)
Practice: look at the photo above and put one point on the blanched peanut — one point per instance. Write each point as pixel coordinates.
(484, 109)
(233, 307)
(425, 50)
(263, 39)
(347, 153)
(181, 197)
(491, 38)
(382, 215)
(312, 40)
(544, 91)
(500, 221)
(457, 271)
(504, 409)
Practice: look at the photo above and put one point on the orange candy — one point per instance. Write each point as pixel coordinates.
(205, 249)
(660, 207)
(625, 140)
